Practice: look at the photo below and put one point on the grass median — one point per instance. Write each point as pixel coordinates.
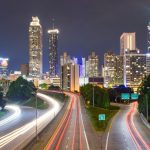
(93, 113)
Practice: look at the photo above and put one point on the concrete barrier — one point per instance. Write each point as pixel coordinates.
(145, 121)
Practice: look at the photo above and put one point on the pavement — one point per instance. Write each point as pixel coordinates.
(127, 131)
(22, 130)
(70, 133)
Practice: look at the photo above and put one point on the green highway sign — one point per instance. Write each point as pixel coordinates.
(125, 96)
(134, 96)
(101, 117)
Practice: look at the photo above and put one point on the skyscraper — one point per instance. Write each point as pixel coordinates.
(64, 59)
(35, 48)
(148, 51)
(70, 77)
(135, 69)
(53, 58)
(127, 41)
(93, 64)
(113, 69)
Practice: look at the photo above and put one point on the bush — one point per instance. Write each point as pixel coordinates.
(101, 97)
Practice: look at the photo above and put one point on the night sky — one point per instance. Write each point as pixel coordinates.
(84, 25)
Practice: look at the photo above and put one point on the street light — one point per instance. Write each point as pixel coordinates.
(93, 86)
(147, 104)
(36, 115)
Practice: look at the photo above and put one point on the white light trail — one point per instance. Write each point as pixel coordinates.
(41, 121)
(16, 113)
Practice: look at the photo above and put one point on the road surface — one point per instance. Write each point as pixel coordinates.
(70, 133)
(18, 133)
(124, 131)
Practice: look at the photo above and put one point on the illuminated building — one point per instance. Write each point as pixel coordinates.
(148, 50)
(93, 63)
(113, 69)
(53, 58)
(127, 41)
(35, 48)
(70, 77)
(3, 67)
(64, 59)
(134, 69)
(24, 68)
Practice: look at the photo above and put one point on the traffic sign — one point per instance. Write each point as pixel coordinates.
(125, 96)
(101, 117)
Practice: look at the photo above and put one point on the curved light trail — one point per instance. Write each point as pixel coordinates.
(137, 138)
(42, 122)
(16, 113)
(63, 130)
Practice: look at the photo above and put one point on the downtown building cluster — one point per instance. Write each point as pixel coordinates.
(128, 68)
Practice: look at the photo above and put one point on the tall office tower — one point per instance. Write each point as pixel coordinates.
(4, 67)
(64, 59)
(35, 48)
(93, 63)
(83, 68)
(70, 77)
(127, 42)
(135, 69)
(53, 58)
(86, 68)
(148, 50)
(119, 70)
(113, 69)
(24, 68)
(109, 69)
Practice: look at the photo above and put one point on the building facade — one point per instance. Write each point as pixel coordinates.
(35, 48)
(127, 42)
(70, 77)
(24, 68)
(64, 59)
(148, 50)
(113, 69)
(93, 65)
(134, 69)
(53, 58)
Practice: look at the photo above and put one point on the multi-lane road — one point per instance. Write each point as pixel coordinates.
(70, 133)
(18, 132)
(74, 130)
(123, 132)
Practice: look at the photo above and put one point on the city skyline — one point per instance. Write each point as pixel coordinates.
(14, 40)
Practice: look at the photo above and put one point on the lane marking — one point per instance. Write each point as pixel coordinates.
(107, 139)
(59, 126)
(74, 131)
(87, 144)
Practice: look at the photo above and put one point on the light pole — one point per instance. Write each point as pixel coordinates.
(147, 104)
(93, 87)
(36, 115)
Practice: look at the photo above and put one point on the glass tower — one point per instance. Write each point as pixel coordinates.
(53, 58)
(35, 48)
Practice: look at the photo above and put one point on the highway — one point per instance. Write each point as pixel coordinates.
(70, 133)
(123, 132)
(17, 134)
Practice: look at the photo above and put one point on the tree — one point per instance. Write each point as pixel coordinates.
(144, 91)
(101, 97)
(20, 89)
(2, 102)
(52, 87)
(43, 86)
